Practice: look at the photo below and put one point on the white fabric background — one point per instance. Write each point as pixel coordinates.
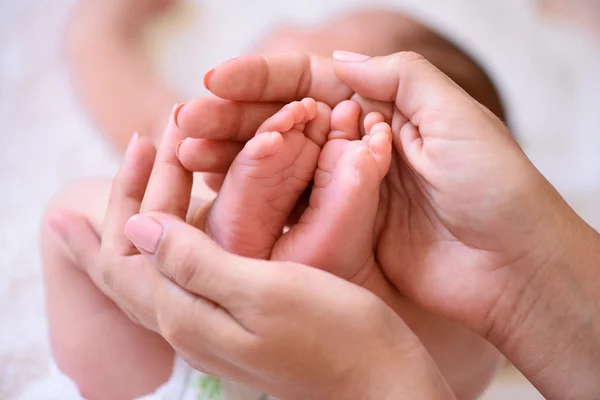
(549, 78)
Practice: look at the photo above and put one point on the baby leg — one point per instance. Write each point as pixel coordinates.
(112, 76)
(92, 341)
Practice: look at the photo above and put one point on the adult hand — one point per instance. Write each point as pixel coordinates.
(287, 329)
(468, 227)
(111, 261)
(437, 130)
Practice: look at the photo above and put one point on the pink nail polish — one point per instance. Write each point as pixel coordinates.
(176, 111)
(207, 78)
(56, 224)
(132, 142)
(144, 232)
(177, 149)
(346, 56)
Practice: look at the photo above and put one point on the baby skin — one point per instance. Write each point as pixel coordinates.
(292, 149)
(305, 143)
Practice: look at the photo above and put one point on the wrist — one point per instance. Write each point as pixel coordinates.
(551, 324)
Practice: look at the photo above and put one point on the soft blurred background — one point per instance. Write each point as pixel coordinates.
(543, 55)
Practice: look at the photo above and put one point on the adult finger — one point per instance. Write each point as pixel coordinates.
(214, 118)
(421, 92)
(170, 186)
(197, 327)
(278, 77)
(80, 239)
(127, 192)
(193, 261)
(214, 181)
(205, 155)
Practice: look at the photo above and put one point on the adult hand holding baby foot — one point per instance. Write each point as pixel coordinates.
(221, 127)
(484, 240)
(288, 329)
(468, 227)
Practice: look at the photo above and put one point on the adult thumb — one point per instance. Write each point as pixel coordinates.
(189, 258)
(423, 94)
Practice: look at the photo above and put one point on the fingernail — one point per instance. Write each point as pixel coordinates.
(346, 56)
(207, 78)
(144, 232)
(55, 223)
(131, 144)
(176, 109)
(177, 149)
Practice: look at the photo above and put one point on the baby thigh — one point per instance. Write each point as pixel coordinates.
(92, 340)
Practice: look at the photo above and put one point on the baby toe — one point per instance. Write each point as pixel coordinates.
(344, 121)
(372, 119)
(310, 109)
(318, 128)
(284, 119)
(261, 146)
(380, 145)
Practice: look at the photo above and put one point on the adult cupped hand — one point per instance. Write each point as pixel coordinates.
(467, 226)
(461, 201)
(287, 329)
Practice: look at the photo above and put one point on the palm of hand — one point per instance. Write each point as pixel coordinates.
(433, 236)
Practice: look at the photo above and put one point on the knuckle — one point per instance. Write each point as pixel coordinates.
(107, 275)
(409, 57)
(186, 271)
(179, 261)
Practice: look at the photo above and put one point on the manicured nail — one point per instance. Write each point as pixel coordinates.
(144, 232)
(176, 109)
(56, 224)
(131, 144)
(177, 149)
(346, 56)
(207, 78)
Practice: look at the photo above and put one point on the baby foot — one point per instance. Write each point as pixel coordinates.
(336, 232)
(267, 178)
